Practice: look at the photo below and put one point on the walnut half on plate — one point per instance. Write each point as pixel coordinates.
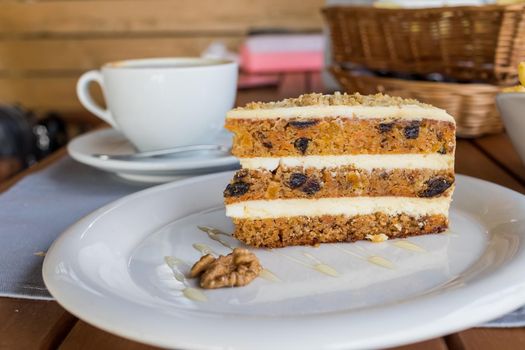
(236, 269)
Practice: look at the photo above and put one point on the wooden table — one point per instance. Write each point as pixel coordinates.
(27, 324)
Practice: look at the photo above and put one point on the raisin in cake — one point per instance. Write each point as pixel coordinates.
(337, 168)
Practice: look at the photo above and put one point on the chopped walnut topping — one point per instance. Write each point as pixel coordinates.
(233, 270)
(337, 99)
(377, 238)
(200, 266)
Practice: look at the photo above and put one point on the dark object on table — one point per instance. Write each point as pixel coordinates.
(50, 135)
(24, 140)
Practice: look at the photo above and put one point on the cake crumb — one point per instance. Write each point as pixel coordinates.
(377, 238)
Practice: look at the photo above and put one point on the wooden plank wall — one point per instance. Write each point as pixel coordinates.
(46, 44)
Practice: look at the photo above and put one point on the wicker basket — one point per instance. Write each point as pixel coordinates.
(472, 105)
(478, 43)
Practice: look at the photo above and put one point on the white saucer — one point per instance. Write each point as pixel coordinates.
(110, 270)
(159, 170)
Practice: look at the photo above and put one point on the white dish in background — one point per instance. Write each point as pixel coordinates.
(158, 170)
(109, 270)
(511, 106)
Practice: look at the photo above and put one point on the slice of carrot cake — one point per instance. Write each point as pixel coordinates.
(336, 168)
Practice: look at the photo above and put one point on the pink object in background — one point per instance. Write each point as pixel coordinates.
(282, 53)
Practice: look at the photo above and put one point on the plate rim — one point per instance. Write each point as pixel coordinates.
(115, 165)
(490, 309)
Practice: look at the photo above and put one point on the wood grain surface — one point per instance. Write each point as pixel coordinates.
(45, 45)
(72, 56)
(68, 18)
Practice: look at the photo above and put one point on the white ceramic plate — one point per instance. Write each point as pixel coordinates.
(110, 141)
(109, 269)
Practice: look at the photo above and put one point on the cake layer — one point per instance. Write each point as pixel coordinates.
(336, 168)
(358, 161)
(341, 105)
(346, 206)
(345, 181)
(339, 136)
(304, 230)
(408, 112)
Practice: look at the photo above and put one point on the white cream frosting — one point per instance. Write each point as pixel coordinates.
(358, 161)
(405, 112)
(348, 206)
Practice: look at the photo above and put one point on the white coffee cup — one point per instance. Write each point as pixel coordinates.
(163, 102)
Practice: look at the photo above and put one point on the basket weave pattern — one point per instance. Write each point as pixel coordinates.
(472, 105)
(482, 43)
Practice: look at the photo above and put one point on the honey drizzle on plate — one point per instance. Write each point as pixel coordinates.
(204, 249)
(322, 267)
(214, 234)
(372, 259)
(318, 265)
(405, 244)
(449, 233)
(189, 292)
(380, 261)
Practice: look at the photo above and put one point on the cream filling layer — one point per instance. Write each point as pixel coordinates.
(405, 112)
(358, 161)
(348, 206)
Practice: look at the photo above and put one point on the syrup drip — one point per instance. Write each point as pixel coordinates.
(189, 292)
(215, 234)
(380, 261)
(404, 244)
(318, 265)
(204, 249)
(322, 267)
(373, 259)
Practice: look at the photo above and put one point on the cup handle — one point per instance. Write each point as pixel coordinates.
(87, 100)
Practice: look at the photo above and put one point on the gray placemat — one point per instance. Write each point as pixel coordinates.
(37, 209)
(42, 205)
(512, 319)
